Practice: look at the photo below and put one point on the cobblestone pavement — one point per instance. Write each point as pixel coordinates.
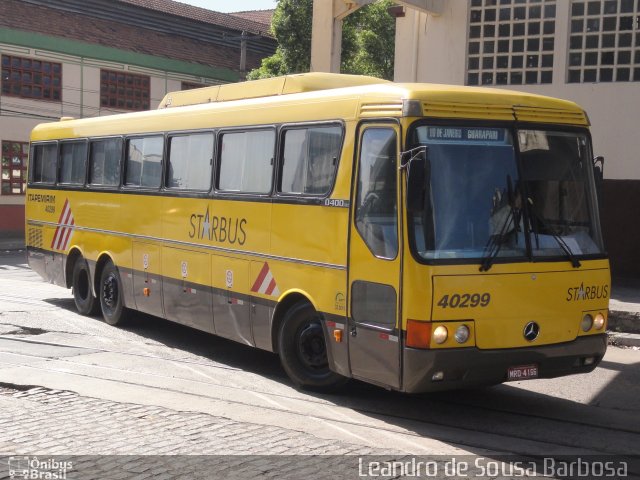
(130, 440)
(39, 420)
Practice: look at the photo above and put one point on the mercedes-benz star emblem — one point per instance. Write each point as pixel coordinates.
(531, 331)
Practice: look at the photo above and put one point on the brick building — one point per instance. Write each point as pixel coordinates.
(88, 58)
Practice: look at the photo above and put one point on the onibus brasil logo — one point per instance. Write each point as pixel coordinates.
(37, 469)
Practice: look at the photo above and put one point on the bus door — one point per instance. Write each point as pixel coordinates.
(375, 259)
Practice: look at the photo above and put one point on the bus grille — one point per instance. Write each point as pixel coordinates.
(34, 238)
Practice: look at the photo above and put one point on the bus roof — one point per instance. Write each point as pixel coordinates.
(321, 97)
(267, 87)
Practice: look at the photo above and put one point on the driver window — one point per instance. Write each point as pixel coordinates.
(376, 202)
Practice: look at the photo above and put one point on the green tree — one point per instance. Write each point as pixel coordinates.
(367, 40)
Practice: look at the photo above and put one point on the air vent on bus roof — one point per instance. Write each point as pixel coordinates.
(521, 113)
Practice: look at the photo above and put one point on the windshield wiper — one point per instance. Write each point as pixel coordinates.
(511, 222)
(575, 263)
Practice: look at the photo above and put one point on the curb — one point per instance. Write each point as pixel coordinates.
(623, 321)
(624, 339)
(11, 243)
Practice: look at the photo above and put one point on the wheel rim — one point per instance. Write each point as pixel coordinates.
(110, 291)
(312, 350)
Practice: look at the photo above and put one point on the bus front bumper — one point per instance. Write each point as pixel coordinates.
(472, 367)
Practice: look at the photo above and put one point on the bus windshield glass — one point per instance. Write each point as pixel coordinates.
(481, 202)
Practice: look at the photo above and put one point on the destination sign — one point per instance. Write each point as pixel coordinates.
(466, 134)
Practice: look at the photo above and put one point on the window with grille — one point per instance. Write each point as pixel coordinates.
(124, 91)
(604, 41)
(30, 78)
(511, 42)
(13, 174)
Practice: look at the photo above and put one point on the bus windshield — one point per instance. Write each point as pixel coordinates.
(482, 202)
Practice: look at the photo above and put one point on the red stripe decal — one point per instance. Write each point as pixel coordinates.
(55, 237)
(66, 203)
(261, 276)
(65, 242)
(271, 287)
(67, 217)
(64, 230)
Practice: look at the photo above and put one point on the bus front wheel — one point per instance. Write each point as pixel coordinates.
(303, 349)
(83, 297)
(111, 302)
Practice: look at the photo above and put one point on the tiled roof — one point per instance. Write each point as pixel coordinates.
(201, 14)
(258, 16)
(20, 15)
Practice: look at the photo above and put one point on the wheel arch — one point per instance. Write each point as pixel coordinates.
(72, 257)
(287, 300)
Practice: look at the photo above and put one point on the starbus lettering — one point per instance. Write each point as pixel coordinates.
(217, 228)
(590, 292)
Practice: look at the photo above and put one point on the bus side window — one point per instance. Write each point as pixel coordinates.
(376, 203)
(246, 161)
(44, 163)
(104, 162)
(190, 161)
(143, 165)
(73, 157)
(309, 159)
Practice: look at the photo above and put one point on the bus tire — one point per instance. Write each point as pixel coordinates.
(83, 297)
(111, 296)
(303, 351)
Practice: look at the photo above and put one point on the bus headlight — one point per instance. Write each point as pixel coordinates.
(598, 321)
(440, 334)
(587, 323)
(462, 334)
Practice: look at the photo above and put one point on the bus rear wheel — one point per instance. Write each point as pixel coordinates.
(303, 349)
(111, 292)
(83, 297)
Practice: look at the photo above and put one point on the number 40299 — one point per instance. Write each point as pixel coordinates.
(465, 300)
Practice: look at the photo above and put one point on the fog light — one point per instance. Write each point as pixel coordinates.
(440, 334)
(437, 377)
(587, 323)
(589, 360)
(462, 334)
(598, 322)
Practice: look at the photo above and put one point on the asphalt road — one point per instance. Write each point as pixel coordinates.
(152, 363)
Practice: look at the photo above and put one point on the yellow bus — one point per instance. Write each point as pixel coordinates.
(418, 237)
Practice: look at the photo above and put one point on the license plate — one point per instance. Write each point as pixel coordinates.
(522, 372)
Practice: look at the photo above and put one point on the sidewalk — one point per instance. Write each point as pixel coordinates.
(11, 243)
(624, 306)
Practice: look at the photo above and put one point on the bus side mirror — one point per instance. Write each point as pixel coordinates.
(418, 175)
(598, 176)
(598, 168)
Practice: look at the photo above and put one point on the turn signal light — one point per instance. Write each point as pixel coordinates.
(418, 334)
(146, 292)
(337, 334)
